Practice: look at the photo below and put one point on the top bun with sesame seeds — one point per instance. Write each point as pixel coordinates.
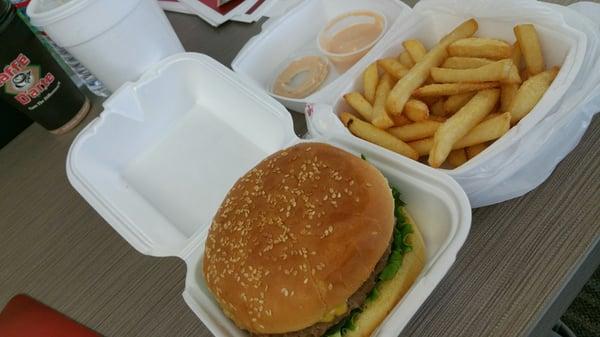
(296, 237)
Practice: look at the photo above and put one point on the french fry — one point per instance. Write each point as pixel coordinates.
(440, 119)
(458, 62)
(491, 115)
(529, 43)
(360, 104)
(374, 135)
(406, 60)
(415, 49)
(437, 109)
(381, 119)
(486, 131)
(416, 110)
(456, 102)
(457, 126)
(415, 131)
(462, 31)
(457, 157)
(480, 47)
(370, 81)
(418, 74)
(503, 71)
(422, 146)
(513, 74)
(393, 67)
(400, 120)
(449, 89)
(507, 94)
(530, 93)
(516, 55)
(474, 150)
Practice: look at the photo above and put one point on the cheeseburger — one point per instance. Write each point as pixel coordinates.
(311, 242)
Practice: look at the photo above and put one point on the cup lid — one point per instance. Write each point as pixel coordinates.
(42, 13)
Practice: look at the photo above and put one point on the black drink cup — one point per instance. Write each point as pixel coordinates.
(31, 80)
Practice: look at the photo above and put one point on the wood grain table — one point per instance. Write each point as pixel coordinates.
(522, 264)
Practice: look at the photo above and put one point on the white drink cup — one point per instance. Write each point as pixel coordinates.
(117, 40)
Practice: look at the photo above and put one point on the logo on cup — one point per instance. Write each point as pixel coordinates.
(23, 80)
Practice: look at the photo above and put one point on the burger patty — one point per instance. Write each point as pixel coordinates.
(355, 301)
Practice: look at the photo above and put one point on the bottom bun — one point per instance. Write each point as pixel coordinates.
(390, 292)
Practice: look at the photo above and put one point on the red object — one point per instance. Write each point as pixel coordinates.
(255, 6)
(22, 4)
(225, 8)
(25, 317)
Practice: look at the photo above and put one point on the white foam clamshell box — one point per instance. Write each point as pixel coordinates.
(294, 34)
(162, 155)
(524, 157)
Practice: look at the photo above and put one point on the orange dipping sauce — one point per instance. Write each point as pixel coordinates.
(348, 37)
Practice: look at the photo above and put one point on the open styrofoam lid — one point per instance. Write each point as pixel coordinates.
(121, 161)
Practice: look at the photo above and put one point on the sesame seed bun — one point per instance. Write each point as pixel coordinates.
(297, 236)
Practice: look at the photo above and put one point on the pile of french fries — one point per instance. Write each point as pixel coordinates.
(446, 105)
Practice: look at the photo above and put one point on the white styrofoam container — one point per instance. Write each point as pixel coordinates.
(295, 33)
(562, 45)
(430, 20)
(185, 132)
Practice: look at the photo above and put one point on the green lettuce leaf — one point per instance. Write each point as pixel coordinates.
(345, 325)
(400, 245)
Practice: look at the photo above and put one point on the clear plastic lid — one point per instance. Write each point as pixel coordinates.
(348, 37)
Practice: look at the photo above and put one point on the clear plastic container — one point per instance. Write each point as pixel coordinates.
(348, 37)
(301, 76)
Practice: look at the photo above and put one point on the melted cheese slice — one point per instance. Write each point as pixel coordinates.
(335, 312)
